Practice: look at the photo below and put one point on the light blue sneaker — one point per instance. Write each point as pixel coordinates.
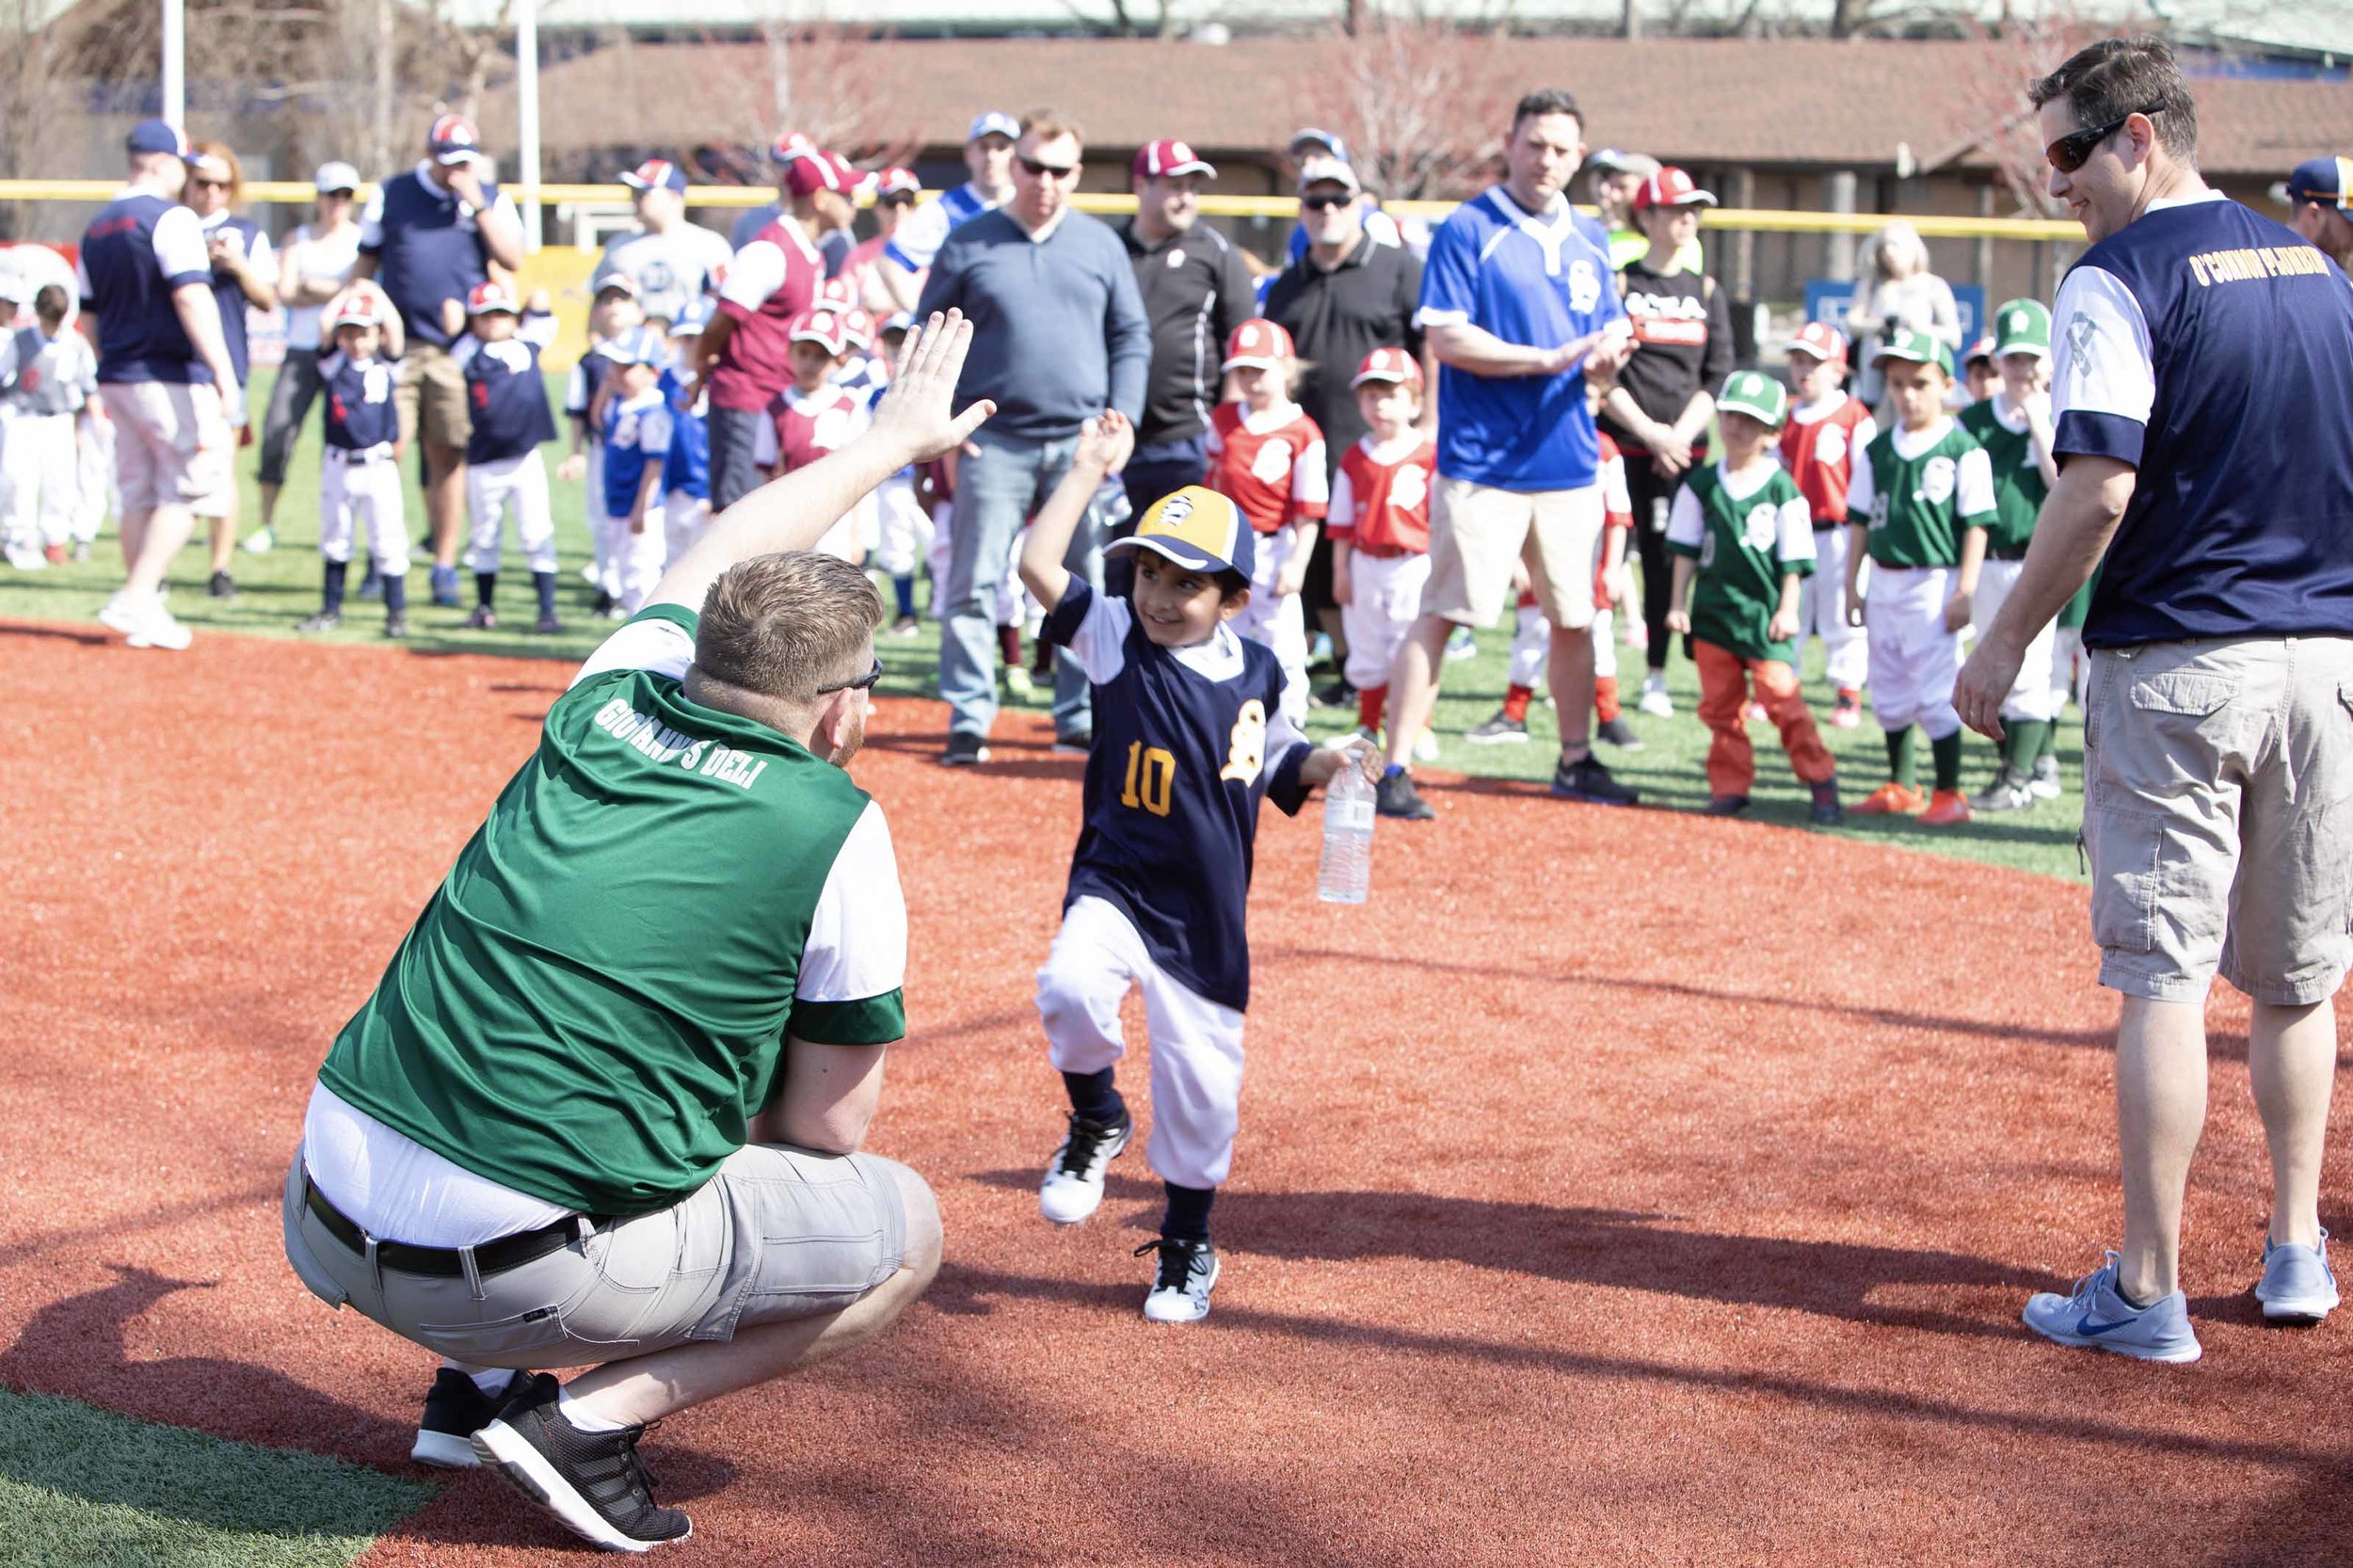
(2299, 1287)
(2097, 1314)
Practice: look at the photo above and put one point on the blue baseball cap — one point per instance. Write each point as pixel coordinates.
(692, 319)
(1197, 528)
(656, 174)
(639, 345)
(2328, 180)
(157, 135)
(1307, 135)
(994, 123)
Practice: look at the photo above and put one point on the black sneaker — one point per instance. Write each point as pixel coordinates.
(1827, 812)
(1338, 694)
(1395, 796)
(484, 619)
(592, 1482)
(548, 626)
(454, 1412)
(220, 586)
(1726, 806)
(1617, 733)
(444, 583)
(603, 602)
(964, 750)
(325, 620)
(1077, 742)
(1586, 780)
(397, 624)
(1502, 730)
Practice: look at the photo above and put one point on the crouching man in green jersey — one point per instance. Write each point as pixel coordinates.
(604, 1107)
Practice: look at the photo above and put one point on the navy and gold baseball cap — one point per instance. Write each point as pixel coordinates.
(1197, 528)
(2324, 180)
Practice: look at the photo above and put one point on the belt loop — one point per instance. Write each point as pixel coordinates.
(376, 1270)
(473, 1273)
(587, 1231)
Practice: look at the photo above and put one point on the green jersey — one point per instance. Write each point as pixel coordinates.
(2018, 487)
(1919, 491)
(591, 1010)
(1747, 532)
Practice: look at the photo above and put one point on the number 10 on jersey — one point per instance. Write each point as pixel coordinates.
(1151, 778)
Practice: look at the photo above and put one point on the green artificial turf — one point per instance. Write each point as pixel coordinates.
(86, 1488)
(281, 588)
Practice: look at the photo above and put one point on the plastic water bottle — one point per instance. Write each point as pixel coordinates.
(1345, 876)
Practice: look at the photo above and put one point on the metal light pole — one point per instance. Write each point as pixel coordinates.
(527, 113)
(175, 63)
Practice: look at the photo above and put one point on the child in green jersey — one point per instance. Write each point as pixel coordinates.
(2013, 424)
(1919, 502)
(1742, 535)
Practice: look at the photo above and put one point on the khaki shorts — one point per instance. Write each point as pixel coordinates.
(1477, 532)
(431, 385)
(172, 443)
(778, 1233)
(2218, 817)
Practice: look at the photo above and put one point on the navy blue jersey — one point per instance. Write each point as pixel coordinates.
(2212, 348)
(580, 391)
(229, 295)
(135, 253)
(1186, 742)
(359, 403)
(636, 432)
(687, 472)
(505, 391)
(428, 248)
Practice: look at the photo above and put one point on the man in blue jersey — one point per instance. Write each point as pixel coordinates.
(1519, 309)
(2202, 395)
(163, 372)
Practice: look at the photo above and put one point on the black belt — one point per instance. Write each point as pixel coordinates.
(489, 1258)
(2007, 554)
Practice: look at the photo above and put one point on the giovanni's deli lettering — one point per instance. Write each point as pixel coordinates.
(659, 743)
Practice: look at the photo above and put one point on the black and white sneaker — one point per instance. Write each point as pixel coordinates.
(2009, 792)
(1586, 780)
(1617, 733)
(1188, 1272)
(2044, 780)
(1502, 730)
(964, 750)
(455, 1410)
(1073, 1188)
(592, 1482)
(1395, 796)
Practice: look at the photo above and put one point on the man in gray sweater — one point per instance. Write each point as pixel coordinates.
(1059, 334)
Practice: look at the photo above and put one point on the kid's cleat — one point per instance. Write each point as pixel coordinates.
(2008, 792)
(445, 582)
(260, 542)
(1826, 811)
(26, 557)
(55, 554)
(1395, 796)
(1891, 799)
(1847, 711)
(325, 620)
(2097, 1317)
(1617, 733)
(1726, 806)
(1499, 730)
(1946, 808)
(592, 1482)
(1019, 686)
(1188, 1272)
(1073, 1188)
(548, 626)
(905, 627)
(220, 585)
(484, 619)
(396, 625)
(2044, 780)
(2297, 1286)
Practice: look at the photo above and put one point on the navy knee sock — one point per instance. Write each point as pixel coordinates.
(1093, 1095)
(902, 588)
(1187, 1216)
(395, 593)
(331, 595)
(543, 584)
(485, 587)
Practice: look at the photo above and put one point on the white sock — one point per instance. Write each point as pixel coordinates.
(583, 1420)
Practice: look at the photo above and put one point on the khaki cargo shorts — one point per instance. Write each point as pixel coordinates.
(2218, 817)
(173, 445)
(430, 386)
(1477, 532)
(779, 1233)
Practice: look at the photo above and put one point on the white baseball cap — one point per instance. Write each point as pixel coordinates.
(335, 175)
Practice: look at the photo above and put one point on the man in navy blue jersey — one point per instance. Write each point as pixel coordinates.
(2202, 394)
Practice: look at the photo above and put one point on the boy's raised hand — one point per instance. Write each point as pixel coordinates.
(915, 415)
(1107, 441)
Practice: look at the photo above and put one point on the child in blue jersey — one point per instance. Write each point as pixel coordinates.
(359, 469)
(686, 472)
(1189, 738)
(611, 314)
(498, 357)
(904, 533)
(636, 428)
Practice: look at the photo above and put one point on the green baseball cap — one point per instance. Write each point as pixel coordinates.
(2022, 326)
(1921, 348)
(1752, 393)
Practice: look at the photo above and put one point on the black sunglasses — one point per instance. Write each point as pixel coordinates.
(1325, 203)
(1056, 171)
(2072, 152)
(863, 682)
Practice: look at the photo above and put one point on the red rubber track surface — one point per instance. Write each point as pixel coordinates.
(1616, 1188)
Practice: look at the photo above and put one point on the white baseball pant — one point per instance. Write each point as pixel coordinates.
(2071, 672)
(1196, 1043)
(1531, 647)
(1384, 601)
(40, 470)
(1914, 659)
(364, 488)
(516, 486)
(1279, 623)
(683, 518)
(2037, 693)
(935, 554)
(599, 572)
(1822, 612)
(633, 562)
(98, 497)
(906, 527)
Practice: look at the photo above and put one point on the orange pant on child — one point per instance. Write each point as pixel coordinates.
(1725, 677)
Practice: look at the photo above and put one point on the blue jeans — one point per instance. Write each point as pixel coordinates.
(999, 486)
(1160, 469)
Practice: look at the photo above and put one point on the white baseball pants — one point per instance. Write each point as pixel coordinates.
(97, 493)
(1914, 659)
(2036, 694)
(1196, 1043)
(1279, 623)
(40, 469)
(516, 486)
(355, 492)
(1384, 601)
(906, 527)
(683, 518)
(1531, 647)
(633, 562)
(1822, 612)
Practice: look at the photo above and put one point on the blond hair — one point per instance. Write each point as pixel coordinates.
(784, 625)
(1045, 124)
(236, 170)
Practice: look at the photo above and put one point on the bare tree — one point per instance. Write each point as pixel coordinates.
(32, 98)
(1424, 102)
(1993, 115)
(837, 85)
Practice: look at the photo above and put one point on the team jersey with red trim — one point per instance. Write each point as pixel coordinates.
(1383, 507)
(1617, 511)
(1275, 474)
(1820, 456)
(806, 426)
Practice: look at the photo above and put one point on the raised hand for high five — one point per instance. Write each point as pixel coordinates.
(914, 414)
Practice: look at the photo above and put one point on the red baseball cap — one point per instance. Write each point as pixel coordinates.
(834, 294)
(1258, 341)
(1672, 187)
(788, 146)
(895, 181)
(1160, 160)
(484, 297)
(1388, 364)
(1821, 339)
(820, 327)
(857, 329)
(817, 170)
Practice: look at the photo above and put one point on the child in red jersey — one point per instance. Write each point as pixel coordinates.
(1379, 522)
(1267, 457)
(1827, 427)
(812, 417)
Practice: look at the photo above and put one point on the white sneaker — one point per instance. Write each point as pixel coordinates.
(260, 542)
(2297, 1286)
(26, 557)
(1655, 700)
(121, 613)
(1073, 1188)
(1426, 749)
(1180, 1291)
(158, 630)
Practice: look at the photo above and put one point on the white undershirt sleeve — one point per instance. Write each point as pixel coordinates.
(858, 939)
(1686, 526)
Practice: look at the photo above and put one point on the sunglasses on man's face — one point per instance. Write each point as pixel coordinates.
(2072, 152)
(864, 683)
(1325, 203)
(209, 185)
(1049, 171)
